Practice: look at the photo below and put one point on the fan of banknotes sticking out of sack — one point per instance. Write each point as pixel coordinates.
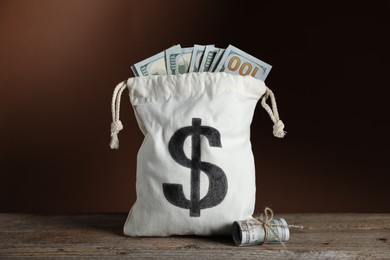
(202, 58)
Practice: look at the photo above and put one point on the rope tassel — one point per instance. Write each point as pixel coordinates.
(278, 128)
(116, 125)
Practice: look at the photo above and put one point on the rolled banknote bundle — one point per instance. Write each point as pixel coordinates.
(254, 232)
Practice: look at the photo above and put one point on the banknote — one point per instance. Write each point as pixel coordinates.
(197, 56)
(133, 69)
(178, 60)
(250, 232)
(216, 60)
(154, 65)
(208, 56)
(236, 61)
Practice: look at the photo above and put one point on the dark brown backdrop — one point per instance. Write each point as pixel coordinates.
(60, 60)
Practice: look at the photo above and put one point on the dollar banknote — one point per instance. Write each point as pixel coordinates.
(154, 65)
(236, 61)
(208, 56)
(178, 60)
(197, 56)
(251, 232)
(216, 60)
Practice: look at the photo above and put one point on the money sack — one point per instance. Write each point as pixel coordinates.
(195, 167)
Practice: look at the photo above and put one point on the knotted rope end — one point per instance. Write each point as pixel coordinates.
(279, 129)
(116, 127)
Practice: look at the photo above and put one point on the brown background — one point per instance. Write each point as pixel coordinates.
(60, 60)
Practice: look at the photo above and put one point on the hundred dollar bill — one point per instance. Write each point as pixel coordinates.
(178, 60)
(216, 60)
(134, 71)
(250, 232)
(154, 65)
(236, 61)
(209, 54)
(196, 58)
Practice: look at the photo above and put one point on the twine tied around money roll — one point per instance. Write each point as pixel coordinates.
(264, 220)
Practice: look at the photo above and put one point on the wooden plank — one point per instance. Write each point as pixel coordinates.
(324, 236)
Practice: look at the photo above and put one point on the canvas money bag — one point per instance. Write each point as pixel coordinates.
(195, 167)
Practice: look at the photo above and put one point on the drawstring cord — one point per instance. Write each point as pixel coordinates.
(273, 113)
(116, 125)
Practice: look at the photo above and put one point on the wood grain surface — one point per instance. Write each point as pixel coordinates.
(325, 236)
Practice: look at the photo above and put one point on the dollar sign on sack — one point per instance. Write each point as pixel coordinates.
(217, 179)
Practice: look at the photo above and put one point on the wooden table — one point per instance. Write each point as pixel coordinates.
(325, 236)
